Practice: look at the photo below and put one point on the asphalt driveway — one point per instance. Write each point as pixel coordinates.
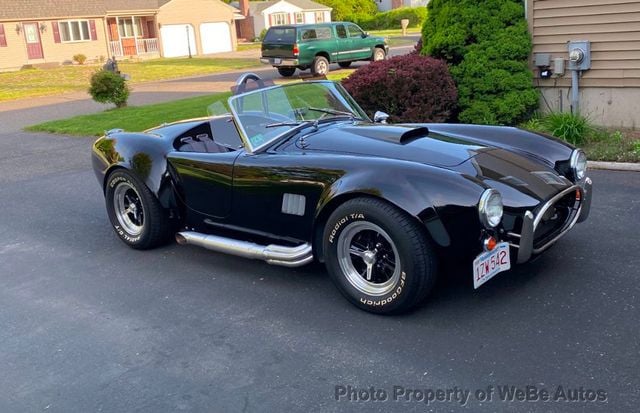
(87, 324)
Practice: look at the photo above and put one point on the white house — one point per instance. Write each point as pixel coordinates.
(386, 5)
(279, 12)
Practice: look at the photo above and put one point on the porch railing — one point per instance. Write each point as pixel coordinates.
(116, 48)
(146, 46)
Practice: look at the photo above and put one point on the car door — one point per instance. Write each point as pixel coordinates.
(343, 43)
(275, 194)
(359, 47)
(205, 178)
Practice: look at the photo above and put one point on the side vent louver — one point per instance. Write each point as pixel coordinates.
(293, 204)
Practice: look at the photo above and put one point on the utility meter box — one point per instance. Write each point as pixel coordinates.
(579, 55)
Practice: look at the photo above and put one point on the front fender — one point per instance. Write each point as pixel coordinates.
(434, 196)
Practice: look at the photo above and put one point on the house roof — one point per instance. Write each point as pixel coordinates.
(41, 9)
(257, 7)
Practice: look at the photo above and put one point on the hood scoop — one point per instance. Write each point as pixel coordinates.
(399, 134)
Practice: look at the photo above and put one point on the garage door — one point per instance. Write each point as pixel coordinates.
(176, 42)
(216, 38)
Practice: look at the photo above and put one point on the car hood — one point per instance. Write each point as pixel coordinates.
(404, 142)
(523, 181)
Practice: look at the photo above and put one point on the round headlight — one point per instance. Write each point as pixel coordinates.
(490, 208)
(579, 164)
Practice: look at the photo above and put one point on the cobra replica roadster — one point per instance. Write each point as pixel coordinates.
(299, 172)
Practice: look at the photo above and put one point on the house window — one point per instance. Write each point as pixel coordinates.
(3, 37)
(279, 19)
(74, 31)
(126, 26)
(319, 17)
(299, 17)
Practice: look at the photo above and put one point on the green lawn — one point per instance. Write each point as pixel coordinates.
(411, 31)
(132, 118)
(43, 82)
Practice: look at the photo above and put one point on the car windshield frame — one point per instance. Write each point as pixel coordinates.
(337, 91)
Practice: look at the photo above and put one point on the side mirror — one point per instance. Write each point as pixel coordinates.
(380, 117)
(365, 35)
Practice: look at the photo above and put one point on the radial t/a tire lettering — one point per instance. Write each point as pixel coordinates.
(378, 256)
(135, 213)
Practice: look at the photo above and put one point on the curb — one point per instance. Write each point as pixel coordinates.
(614, 166)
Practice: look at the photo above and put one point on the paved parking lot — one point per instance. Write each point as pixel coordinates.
(87, 324)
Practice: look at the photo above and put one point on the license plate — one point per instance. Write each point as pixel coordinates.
(490, 263)
(277, 61)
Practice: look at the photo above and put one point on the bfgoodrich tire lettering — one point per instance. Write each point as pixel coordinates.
(135, 214)
(379, 257)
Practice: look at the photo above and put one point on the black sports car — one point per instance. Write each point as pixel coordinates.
(299, 172)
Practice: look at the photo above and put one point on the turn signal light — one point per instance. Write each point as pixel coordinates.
(296, 50)
(578, 195)
(490, 243)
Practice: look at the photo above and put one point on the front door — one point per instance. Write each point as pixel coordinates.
(360, 50)
(32, 37)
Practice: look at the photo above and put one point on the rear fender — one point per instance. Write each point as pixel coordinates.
(141, 154)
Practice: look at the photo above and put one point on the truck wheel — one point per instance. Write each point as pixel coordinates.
(344, 65)
(378, 54)
(286, 71)
(320, 66)
(135, 214)
(379, 257)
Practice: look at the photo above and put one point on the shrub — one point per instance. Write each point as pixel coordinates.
(263, 33)
(80, 58)
(410, 88)
(487, 46)
(109, 87)
(569, 127)
(392, 19)
(349, 9)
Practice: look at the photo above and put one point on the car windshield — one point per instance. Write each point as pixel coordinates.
(265, 115)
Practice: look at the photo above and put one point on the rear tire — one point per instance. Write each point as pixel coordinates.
(344, 65)
(320, 66)
(286, 71)
(135, 213)
(379, 257)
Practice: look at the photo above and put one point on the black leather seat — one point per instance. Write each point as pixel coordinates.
(203, 145)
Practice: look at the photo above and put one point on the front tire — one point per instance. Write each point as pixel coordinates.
(320, 66)
(286, 71)
(379, 257)
(378, 54)
(135, 213)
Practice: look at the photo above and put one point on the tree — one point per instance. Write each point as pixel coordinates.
(350, 10)
(487, 46)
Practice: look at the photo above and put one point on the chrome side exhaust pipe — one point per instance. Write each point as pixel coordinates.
(272, 254)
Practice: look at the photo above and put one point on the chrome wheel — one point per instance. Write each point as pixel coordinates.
(128, 208)
(368, 258)
(378, 55)
(322, 68)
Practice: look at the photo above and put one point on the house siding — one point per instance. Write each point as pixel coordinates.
(14, 56)
(613, 27)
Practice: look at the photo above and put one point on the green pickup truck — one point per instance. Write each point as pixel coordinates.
(315, 46)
